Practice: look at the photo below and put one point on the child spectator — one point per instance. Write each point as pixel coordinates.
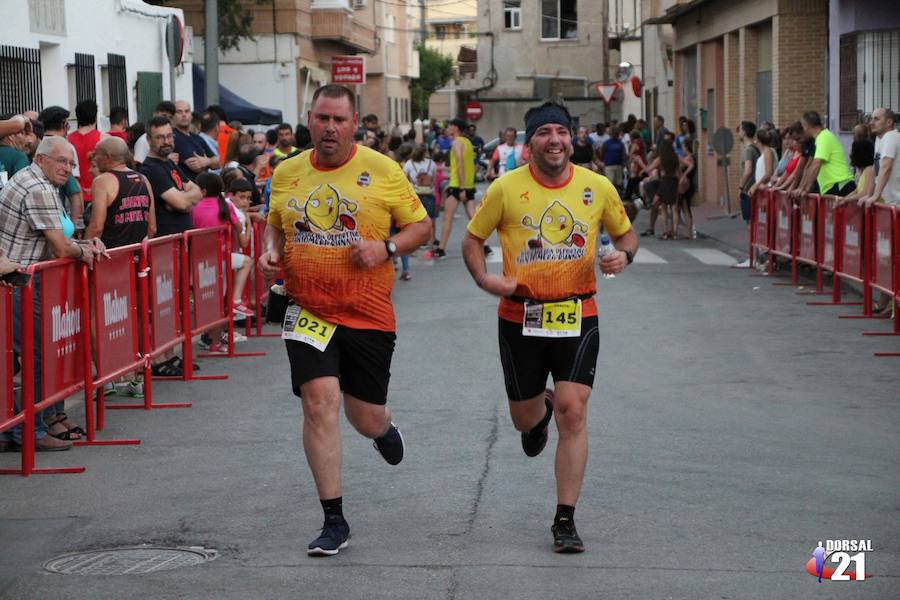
(211, 211)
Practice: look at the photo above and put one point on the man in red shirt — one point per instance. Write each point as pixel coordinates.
(118, 123)
(85, 139)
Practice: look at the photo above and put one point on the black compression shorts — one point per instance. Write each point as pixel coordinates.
(360, 358)
(528, 360)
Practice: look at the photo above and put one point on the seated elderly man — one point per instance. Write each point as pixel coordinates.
(35, 227)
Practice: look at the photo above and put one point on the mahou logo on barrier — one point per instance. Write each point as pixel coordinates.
(114, 288)
(164, 317)
(66, 323)
(61, 331)
(205, 272)
(207, 276)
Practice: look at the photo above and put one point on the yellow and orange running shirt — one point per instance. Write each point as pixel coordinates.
(549, 234)
(322, 212)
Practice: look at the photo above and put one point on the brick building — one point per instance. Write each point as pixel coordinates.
(762, 61)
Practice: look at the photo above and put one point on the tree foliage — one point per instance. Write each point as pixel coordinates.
(435, 70)
(235, 20)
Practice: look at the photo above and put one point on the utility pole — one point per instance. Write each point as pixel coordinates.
(422, 28)
(211, 51)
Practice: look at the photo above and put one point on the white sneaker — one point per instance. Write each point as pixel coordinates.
(743, 265)
(238, 337)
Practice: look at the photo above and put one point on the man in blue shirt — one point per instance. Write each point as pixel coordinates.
(194, 155)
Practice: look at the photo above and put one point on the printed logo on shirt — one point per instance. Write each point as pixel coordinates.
(587, 197)
(177, 179)
(560, 236)
(326, 218)
(364, 179)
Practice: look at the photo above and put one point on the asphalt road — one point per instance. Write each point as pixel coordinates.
(732, 427)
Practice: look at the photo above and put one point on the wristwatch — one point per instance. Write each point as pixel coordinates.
(391, 248)
(629, 255)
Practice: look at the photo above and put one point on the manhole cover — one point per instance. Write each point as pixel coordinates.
(133, 560)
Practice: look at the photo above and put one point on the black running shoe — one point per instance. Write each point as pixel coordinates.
(390, 445)
(533, 441)
(334, 537)
(487, 250)
(565, 537)
(439, 253)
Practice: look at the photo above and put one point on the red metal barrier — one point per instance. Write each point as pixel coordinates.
(760, 229)
(159, 288)
(6, 358)
(116, 333)
(260, 289)
(8, 417)
(785, 224)
(808, 250)
(201, 263)
(831, 252)
(208, 257)
(64, 316)
(885, 260)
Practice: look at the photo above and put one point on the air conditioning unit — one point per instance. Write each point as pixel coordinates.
(359, 3)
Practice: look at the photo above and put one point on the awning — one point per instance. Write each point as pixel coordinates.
(235, 107)
(675, 12)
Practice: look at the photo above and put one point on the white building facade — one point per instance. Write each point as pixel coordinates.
(111, 51)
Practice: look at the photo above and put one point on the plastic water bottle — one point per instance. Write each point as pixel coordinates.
(606, 248)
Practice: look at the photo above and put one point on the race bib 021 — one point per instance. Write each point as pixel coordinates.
(301, 325)
(552, 319)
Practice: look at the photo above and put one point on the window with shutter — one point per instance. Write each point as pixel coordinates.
(850, 113)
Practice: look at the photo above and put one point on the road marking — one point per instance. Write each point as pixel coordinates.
(647, 257)
(711, 256)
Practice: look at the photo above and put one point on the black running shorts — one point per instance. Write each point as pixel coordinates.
(359, 358)
(454, 191)
(528, 360)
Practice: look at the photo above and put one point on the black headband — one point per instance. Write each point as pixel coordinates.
(545, 115)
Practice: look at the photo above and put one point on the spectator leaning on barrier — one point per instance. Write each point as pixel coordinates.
(56, 123)
(828, 167)
(887, 148)
(862, 159)
(746, 134)
(123, 211)
(174, 197)
(32, 229)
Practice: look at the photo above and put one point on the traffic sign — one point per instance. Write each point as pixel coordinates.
(474, 110)
(722, 141)
(348, 70)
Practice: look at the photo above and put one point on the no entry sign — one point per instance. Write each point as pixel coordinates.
(348, 70)
(474, 110)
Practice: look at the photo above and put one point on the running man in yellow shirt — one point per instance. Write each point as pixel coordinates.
(329, 229)
(548, 217)
(462, 181)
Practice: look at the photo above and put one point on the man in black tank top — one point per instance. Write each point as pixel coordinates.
(123, 211)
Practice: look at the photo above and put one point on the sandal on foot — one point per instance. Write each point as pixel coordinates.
(179, 364)
(71, 435)
(166, 369)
